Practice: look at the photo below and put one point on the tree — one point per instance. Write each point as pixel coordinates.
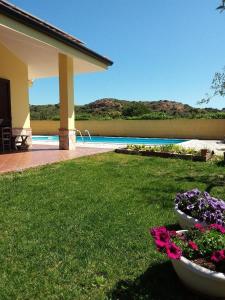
(135, 109)
(217, 85)
(222, 6)
(218, 82)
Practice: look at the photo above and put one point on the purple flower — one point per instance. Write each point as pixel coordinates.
(206, 195)
(178, 198)
(220, 222)
(190, 206)
(207, 216)
(221, 205)
(214, 203)
(195, 192)
(202, 206)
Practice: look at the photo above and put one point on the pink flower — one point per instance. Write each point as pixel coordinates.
(218, 227)
(160, 244)
(200, 227)
(161, 236)
(173, 251)
(218, 256)
(154, 231)
(193, 245)
(160, 233)
(172, 233)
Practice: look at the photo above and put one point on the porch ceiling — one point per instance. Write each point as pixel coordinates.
(41, 57)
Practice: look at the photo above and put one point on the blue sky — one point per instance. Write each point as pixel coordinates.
(166, 49)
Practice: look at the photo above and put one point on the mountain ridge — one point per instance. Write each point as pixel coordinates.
(112, 108)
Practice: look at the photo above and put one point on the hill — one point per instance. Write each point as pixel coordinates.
(110, 108)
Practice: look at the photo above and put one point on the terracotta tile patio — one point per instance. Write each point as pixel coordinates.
(42, 155)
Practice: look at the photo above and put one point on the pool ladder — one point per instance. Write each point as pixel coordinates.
(86, 131)
(77, 130)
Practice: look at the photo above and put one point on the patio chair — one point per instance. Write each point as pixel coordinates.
(6, 139)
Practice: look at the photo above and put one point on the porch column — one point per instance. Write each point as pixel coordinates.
(20, 110)
(67, 139)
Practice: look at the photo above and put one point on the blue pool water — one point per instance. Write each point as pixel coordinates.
(113, 140)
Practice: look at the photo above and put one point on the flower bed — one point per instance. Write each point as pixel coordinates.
(198, 256)
(168, 151)
(195, 206)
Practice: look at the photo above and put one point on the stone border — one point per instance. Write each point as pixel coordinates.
(203, 157)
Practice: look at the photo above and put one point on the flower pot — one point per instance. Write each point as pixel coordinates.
(186, 221)
(200, 279)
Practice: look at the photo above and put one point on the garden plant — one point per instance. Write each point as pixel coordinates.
(202, 245)
(201, 206)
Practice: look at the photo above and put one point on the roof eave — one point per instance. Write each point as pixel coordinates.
(12, 12)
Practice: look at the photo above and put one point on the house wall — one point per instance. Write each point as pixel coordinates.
(181, 128)
(16, 71)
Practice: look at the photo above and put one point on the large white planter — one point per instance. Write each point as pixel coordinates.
(200, 279)
(186, 221)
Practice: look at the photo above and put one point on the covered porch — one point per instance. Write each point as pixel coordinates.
(31, 49)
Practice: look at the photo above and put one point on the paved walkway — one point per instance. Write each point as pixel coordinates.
(43, 155)
(217, 146)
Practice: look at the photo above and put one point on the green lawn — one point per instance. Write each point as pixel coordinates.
(79, 229)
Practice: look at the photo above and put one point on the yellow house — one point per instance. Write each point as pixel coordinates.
(29, 49)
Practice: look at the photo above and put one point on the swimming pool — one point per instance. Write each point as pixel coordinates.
(112, 140)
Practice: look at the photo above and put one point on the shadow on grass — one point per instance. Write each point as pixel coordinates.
(220, 163)
(159, 282)
(174, 226)
(210, 181)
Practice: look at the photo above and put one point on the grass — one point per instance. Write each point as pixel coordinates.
(79, 229)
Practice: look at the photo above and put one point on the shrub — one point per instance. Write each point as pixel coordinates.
(135, 109)
(82, 116)
(151, 116)
(172, 148)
